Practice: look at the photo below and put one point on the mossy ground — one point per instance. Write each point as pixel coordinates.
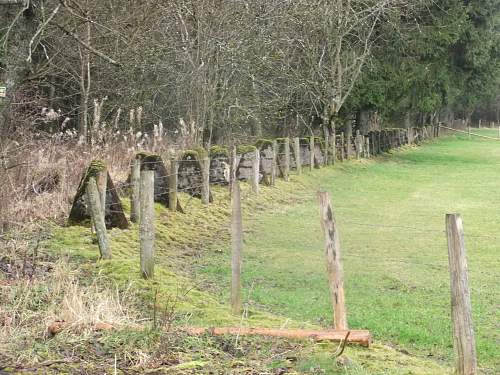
(190, 286)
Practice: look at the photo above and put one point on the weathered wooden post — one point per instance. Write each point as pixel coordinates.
(135, 177)
(367, 147)
(172, 184)
(102, 185)
(468, 130)
(205, 175)
(236, 247)
(286, 168)
(296, 150)
(333, 260)
(479, 125)
(256, 171)
(463, 331)
(274, 163)
(358, 145)
(311, 153)
(146, 226)
(95, 207)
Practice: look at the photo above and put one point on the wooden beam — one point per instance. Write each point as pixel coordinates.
(361, 337)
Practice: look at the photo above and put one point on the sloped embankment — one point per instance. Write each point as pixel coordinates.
(147, 317)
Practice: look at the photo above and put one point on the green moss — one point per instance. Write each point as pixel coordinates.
(245, 149)
(263, 143)
(217, 150)
(196, 153)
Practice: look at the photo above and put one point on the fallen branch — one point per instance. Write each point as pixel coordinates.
(361, 337)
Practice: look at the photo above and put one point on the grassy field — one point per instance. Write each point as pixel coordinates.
(391, 217)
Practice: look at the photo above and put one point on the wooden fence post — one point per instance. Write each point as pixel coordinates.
(135, 176)
(146, 226)
(333, 260)
(256, 171)
(311, 153)
(172, 185)
(236, 247)
(286, 169)
(95, 207)
(367, 147)
(274, 163)
(205, 175)
(463, 331)
(296, 149)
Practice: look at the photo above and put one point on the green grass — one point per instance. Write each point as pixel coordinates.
(391, 217)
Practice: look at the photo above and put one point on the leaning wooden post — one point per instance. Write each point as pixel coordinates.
(274, 163)
(205, 175)
(256, 171)
(333, 260)
(296, 150)
(311, 153)
(286, 169)
(146, 227)
(95, 207)
(172, 185)
(463, 331)
(236, 247)
(135, 176)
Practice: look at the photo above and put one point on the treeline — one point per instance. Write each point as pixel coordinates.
(233, 68)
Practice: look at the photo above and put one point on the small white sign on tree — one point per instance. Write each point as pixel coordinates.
(3, 91)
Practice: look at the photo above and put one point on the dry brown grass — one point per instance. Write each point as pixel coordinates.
(29, 306)
(39, 176)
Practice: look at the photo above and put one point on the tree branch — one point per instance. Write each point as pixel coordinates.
(88, 47)
(40, 29)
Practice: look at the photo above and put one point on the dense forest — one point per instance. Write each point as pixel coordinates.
(225, 68)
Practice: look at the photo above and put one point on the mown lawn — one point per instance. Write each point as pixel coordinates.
(391, 217)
